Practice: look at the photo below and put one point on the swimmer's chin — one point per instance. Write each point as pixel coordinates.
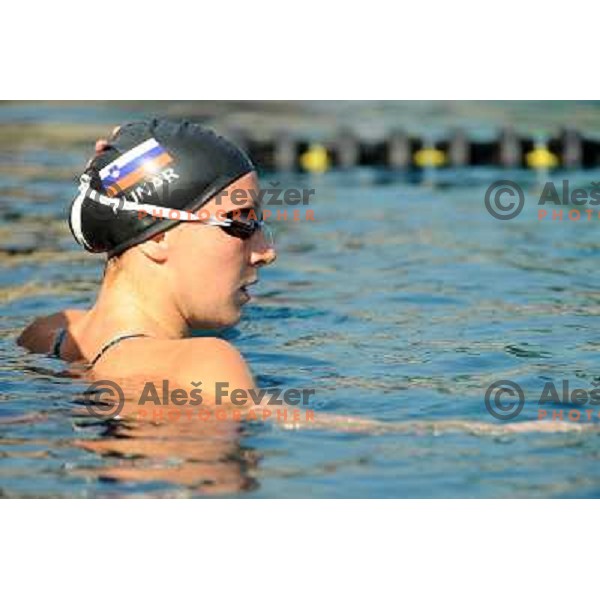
(226, 322)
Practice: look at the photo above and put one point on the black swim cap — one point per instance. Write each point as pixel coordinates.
(175, 164)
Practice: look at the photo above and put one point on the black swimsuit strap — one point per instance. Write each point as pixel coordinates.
(113, 342)
(58, 340)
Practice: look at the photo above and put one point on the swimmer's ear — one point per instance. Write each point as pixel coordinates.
(156, 248)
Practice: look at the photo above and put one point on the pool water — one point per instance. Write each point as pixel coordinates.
(400, 304)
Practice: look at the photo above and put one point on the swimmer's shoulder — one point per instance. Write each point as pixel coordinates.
(211, 360)
(183, 362)
(39, 335)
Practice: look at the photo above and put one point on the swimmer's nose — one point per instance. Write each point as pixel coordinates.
(264, 257)
(263, 253)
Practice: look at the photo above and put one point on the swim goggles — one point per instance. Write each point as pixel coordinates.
(236, 223)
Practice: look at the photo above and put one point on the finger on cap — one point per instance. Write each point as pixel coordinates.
(101, 145)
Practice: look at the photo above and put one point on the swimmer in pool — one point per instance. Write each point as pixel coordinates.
(168, 271)
(167, 276)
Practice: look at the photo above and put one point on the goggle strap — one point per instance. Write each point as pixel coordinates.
(161, 212)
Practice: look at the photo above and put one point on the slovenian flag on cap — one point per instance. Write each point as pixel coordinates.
(135, 165)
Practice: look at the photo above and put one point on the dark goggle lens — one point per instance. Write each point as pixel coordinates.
(242, 225)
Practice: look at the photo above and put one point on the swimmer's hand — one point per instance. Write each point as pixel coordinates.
(102, 144)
